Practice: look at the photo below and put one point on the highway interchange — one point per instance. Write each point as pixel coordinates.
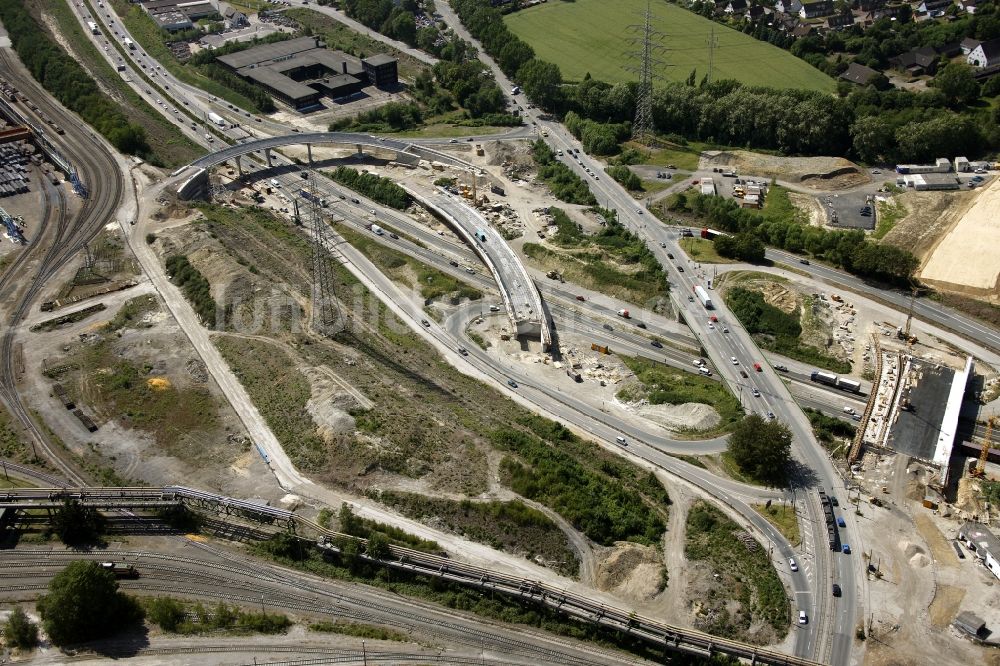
(828, 638)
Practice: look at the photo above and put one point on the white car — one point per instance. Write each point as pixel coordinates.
(756, 393)
(711, 326)
(848, 410)
(803, 619)
(792, 565)
(733, 359)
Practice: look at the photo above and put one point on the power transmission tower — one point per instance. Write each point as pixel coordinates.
(713, 42)
(647, 51)
(326, 316)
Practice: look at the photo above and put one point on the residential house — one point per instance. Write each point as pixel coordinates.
(870, 5)
(859, 74)
(986, 54)
(933, 6)
(968, 44)
(917, 61)
(736, 7)
(802, 30)
(816, 9)
(790, 7)
(968, 5)
(840, 21)
(755, 13)
(233, 17)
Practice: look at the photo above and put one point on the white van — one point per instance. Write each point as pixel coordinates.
(275, 183)
(621, 441)
(705, 371)
(802, 617)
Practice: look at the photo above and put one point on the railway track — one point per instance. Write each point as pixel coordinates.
(97, 168)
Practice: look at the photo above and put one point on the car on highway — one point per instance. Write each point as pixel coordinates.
(621, 441)
(755, 392)
(846, 548)
(781, 368)
(756, 366)
(425, 323)
(639, 211)
(580, 298)
(453, 262)
(657, 344)
(840, 522)
(743, 374)
(836, 590)
(511, 383)
(848, 410)
(690, 299)
(453, 141)
(470, 270)
(804, 261)
(725, 329)
(608, 327)
(803, 618)
(792, 565)
(494, 308)
(734, 360)
(640, 324)
(670, 255)
(463, 351)
(711, 326)
(834, 501)
(770, 415)
(664, 245)
(680, 269)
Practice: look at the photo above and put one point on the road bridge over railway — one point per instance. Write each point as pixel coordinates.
(650, 631)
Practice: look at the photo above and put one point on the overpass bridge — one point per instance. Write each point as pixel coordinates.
(652, 632)
(405, 152)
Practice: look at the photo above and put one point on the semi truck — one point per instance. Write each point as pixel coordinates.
(830, 379)
(130, 44)
(624, 314)
(309, 196)
(703, 296)
(377, 230)
(93, 28)
(217, 119)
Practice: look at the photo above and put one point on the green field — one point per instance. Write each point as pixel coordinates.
(571, 34)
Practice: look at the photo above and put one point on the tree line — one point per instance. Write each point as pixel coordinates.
(68, 82)
(848, 249)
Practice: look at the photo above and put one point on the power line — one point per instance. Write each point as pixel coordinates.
(327, 318)
(713, 43)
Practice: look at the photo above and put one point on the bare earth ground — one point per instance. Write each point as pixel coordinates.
(929, 216)
(821, 173)
(966, 259)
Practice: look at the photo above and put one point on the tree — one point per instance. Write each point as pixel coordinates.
(378, 546)
(762, 449)
(541, 82)
(20, 632)
(84, 603)
(167, 612)
(957, 83)
(77, 524)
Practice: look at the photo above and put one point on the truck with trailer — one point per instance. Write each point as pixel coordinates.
(830, 379)
(94, 30)
(130, 44)
(216, 119)
(703, 296)
(309, 196)
(377, 230)
(624, 314)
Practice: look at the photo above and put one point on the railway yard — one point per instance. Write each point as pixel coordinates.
(387, 390)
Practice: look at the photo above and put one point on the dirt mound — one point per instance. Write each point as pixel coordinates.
(687, 415)
(826, 173)
(328, 405)
(910, 549)
(631, 571)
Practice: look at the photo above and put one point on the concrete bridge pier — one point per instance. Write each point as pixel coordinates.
(239, 165)
(267, 156)
(309, 152)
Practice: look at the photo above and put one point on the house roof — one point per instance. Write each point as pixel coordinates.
(737, 5)
(858, 73)
(969, 43)
(802, 30)
(258, 55)
(378, 60)
(991, 49)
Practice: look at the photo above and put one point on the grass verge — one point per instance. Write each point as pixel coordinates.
(889, 213)
(703, 250)
(784, 519)
(179, 617)
(744, 575)
(509, 526)
(359, 630)
(831, 432)
(664, 385)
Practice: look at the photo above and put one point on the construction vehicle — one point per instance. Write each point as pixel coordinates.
(984, 453)
(904, 333)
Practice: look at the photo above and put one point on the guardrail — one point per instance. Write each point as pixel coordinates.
(643, 628)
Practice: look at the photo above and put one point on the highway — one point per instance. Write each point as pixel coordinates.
(829, 636)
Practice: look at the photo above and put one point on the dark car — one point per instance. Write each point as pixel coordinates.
(743, 374)
(657, 344)
(608, 327)
(836, 590)
(804, 261)
(511, 383)
(640, 324)
(425, 323)
(680, 269)
(834, 501)
(355, 201)
(669, 255)
(393, 236)
(453, 262)
(463, 351)
(580, 298)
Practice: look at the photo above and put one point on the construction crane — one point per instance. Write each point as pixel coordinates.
(904, 333)
(984, 453)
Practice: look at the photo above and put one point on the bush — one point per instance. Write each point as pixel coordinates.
(76, 524)
(376, 188)
(195, 287)
(626, 177)
(391, 117)
(20, 632)
(762, 449)
(565, 185)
